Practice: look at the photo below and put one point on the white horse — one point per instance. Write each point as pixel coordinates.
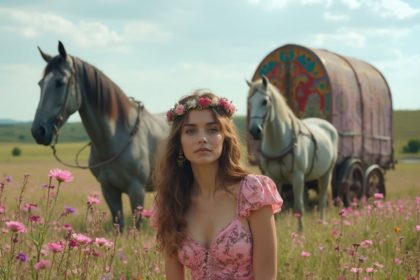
(292, 150)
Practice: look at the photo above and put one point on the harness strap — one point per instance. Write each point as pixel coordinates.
(58, 122)
(291, 148)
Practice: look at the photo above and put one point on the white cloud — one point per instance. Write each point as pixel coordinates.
(401, 70)
(335, 17)
(19, 89)
(352, 4)
(392, 8)
(145, 31)
(357, 37)
(280, 4)
(402, 61)
(84, 33)
(343, 36)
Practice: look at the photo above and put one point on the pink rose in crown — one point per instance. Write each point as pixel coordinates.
(179, 110)
(228, 106)
(204, 102)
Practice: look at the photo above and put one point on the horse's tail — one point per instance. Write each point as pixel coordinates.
(334, 140)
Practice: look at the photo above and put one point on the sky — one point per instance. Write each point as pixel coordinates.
(160, 50)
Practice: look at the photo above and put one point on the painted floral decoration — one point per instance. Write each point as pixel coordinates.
(221, 105)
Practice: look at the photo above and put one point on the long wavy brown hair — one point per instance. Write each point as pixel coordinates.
(174, 184)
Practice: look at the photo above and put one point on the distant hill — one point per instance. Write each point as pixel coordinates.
(8, 121)
(405, 125)
(20, 132)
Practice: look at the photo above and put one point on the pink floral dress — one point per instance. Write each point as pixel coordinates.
(230, 254)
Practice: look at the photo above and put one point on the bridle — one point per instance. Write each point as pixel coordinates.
(263, 117)
(291, 147)
(59, 119)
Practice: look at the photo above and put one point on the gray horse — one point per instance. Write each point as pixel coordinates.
(124, 135)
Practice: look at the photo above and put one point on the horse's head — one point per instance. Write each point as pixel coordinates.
(259, 106)
(60, 96)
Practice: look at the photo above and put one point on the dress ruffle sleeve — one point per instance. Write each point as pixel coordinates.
(258, 191)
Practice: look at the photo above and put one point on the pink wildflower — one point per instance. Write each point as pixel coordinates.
(61, 175)
(146, 213)
(378, 196)
(35, 219)
(356, 269)
(397, 261)
(370, 270)
(81, 239)
(16, 226)
(99, 241)
(305, 254)
(28, 207)
(56, 247)
(179, 110)
(417, 227)
(93, 199)
(67, 227)
(366, 243)
(42, 264)
(73, 243)
(2, 209)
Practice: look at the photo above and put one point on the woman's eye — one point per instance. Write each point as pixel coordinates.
(214, 130)
(189, 131)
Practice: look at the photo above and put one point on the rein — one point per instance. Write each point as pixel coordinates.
(102, 163)
(58, 122)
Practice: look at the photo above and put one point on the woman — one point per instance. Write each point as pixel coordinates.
(212, 216)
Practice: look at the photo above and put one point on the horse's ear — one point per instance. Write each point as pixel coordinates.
(62, 50)
(248, 83)
(265, 81)
(45, 56)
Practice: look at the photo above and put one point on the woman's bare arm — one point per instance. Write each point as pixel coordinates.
(174, 270)
(263, 230)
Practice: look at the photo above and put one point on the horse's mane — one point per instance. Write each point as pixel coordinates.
(102, 92)
(284, 107)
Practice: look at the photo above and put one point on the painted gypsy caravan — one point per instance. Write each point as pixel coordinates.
(349, 93)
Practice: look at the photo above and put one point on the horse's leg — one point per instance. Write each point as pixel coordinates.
(323, 184)
(113, 198)
(298, 182)
(136, 193)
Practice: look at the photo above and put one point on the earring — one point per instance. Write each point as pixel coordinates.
(180, 159)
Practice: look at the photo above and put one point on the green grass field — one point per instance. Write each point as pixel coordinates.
(377, 241)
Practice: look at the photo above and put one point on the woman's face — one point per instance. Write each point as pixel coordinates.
(202, 138)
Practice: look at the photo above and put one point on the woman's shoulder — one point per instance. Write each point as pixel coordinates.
(258, 178)
(258, 191)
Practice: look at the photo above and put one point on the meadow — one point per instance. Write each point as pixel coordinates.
(54, 229)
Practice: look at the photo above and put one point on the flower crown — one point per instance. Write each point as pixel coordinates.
(221, 105)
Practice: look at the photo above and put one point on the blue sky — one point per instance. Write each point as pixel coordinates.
(157, 51)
